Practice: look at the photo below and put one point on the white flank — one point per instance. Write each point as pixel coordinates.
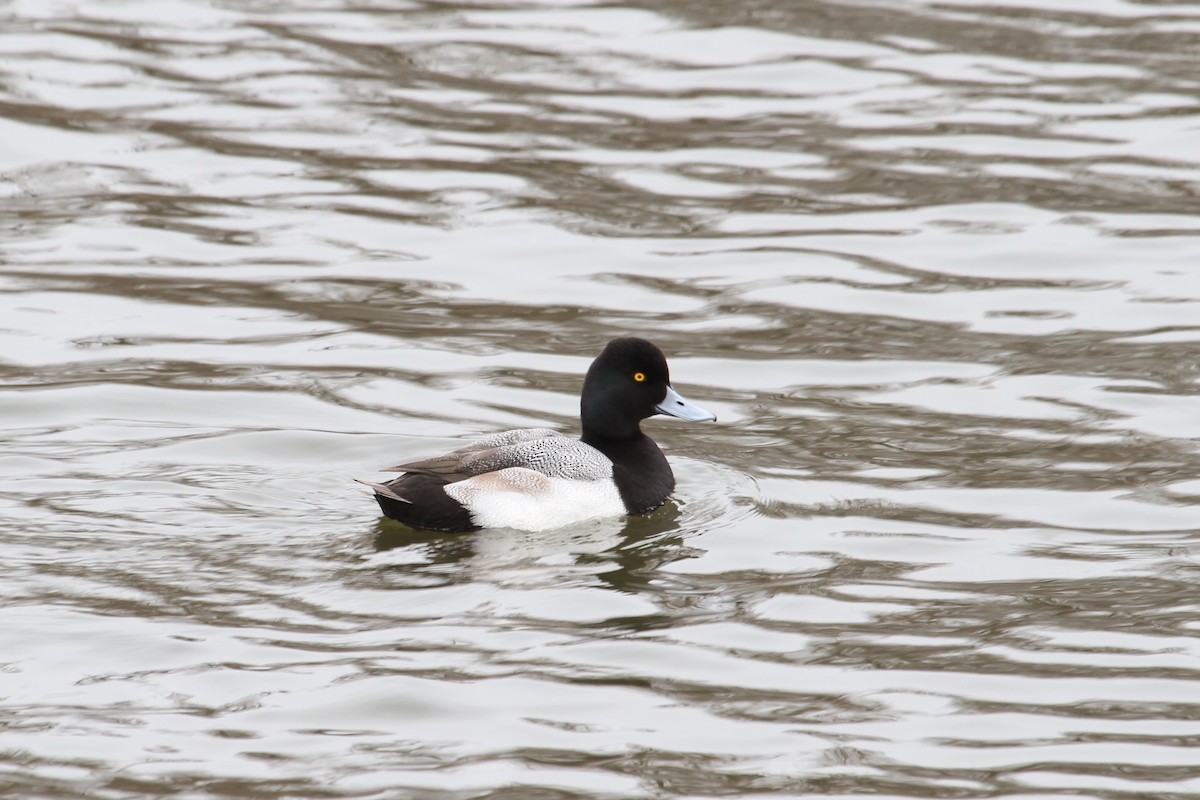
(530, 501)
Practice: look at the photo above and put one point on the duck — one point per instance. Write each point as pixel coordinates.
(536, 479)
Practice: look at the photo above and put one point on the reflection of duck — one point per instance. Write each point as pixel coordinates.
(537, 479)
(625, 553)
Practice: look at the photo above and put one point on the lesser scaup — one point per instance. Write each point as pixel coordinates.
(537, 479)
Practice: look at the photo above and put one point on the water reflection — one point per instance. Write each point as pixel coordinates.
(622, 553)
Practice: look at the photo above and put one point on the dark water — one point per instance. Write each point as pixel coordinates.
(933, 265)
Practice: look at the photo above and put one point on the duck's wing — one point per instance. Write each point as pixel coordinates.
(553, 456)
(382, 489)
(539, 449)
(505, 438)
(447, 467)
(457, 464)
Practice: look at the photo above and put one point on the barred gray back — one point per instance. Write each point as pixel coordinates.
(556, 456)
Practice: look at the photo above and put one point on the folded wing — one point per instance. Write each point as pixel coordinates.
(539, 449)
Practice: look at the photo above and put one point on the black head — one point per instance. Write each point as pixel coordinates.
(626, 383)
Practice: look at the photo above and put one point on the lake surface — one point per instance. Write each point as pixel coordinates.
(934, 266)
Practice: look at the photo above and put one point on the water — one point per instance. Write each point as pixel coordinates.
(933, 266)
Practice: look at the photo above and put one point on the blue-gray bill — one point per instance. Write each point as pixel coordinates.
(673, 405)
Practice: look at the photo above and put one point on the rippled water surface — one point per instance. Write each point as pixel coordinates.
(934, 265)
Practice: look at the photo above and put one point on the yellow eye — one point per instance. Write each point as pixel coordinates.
(639, 376)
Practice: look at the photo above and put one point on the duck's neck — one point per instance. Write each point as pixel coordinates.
(640, 469)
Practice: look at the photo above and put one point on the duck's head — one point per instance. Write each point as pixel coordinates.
(626, 383)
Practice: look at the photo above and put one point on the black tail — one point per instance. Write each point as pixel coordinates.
(420, 501)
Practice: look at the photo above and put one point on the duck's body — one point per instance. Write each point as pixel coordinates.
(537, 479)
